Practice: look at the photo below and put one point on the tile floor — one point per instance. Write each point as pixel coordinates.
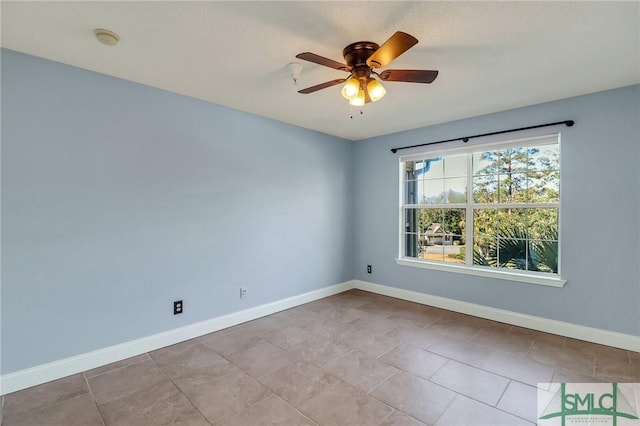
(355, 358)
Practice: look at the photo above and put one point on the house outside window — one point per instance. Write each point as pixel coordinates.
(484, 208)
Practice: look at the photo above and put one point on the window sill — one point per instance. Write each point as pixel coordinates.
(530, 278)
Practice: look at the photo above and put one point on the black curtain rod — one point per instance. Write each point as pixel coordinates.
(465, 139)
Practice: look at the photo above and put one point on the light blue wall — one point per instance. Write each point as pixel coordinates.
(119, 198)
(600, 213)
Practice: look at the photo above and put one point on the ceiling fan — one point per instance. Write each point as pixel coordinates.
(362, 57)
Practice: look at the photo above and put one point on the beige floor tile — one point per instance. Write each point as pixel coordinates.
(612, 370)
(381, 308)
(298, 382)
(468, 412)
(465, 352)
(416, 397)
(360, 370)
(471, 381)
(38, 397)
(372, 344)
(224, 397)
(421, 338)
(453, 328)
(599, 350)
(582, 362)
(501, 340)
(262, 359)
(375, 323)
(289, 337)
(520, 400)
(298, 316)
(228, 344)
(398, 418)
(262, 325)
(159, 405)
(563, 375)
(320, 305)
(413, 360)
(176, 353)
(320, 353)
(518, 367)
(483, 323)
(343, 314)
(201, 362)
(79, 411)
(421, 317)
(329, 330)
(270, 411)
(343, 404)
(126, 381)
(538, 336)
(116, 365)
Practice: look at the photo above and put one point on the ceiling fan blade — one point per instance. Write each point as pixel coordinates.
(396, 45)
(410, 76)
(322, 86)
(321, 60)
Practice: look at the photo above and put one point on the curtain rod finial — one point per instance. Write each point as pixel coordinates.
(569, 123)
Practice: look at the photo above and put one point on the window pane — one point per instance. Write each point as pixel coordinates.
(432, 168)
(453, 231)
(435, 234)
(455, 166)
(543, 224)
(484, 234)
(544, 187)
(514, 160)
(511, 253)
(512, 188)
(431, 192)
(429, 228)
(545, 157)
(455, 190)
(410, 191)
(485, 189)
(484, 163)
(512, 223)
(544, 254)
(410, 233)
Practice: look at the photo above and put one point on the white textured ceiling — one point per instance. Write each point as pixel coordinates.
(492, 56)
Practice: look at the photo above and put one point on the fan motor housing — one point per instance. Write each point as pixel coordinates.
(356, 54)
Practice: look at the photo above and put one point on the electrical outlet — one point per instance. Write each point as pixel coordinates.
(243, 293)
(177, 307)
(368, 269)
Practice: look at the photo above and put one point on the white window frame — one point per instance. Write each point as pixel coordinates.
(531, 277)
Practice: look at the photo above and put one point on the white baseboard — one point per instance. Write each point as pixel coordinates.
(595, 335)
(26, 378)
(23, 379)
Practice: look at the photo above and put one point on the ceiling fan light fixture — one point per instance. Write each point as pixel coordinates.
(375, 89)
(351, 88)
(359, 99)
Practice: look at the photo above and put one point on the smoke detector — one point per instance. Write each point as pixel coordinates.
(106, 37)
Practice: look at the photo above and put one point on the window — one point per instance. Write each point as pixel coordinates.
(492, 208)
